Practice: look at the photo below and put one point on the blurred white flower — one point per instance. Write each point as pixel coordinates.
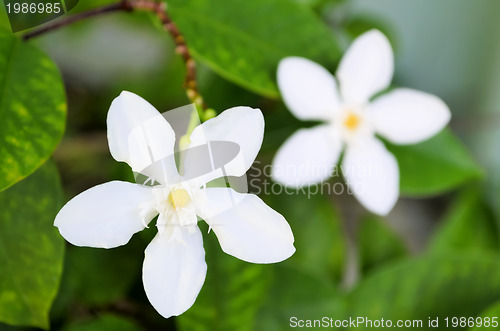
(402, 116)
(174, 267)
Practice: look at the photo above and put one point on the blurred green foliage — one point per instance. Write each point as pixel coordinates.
(492, 311)
(238, 45)
(378, 244)
(297, 293)
(104, 322)
(232, 293)
(435, 166)
(468, 225)
(430, 286)
(319, 237)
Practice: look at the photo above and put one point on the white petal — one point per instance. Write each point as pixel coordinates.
(247, 228)
(105, 215)
(307, 157)
(137, 133)
(406, 116)
(174, 271)
(372, 174)
(242, 127)
(366, 68)
(308, 89)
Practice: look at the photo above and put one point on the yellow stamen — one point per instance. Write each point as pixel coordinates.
(352, 121)
(178, 198)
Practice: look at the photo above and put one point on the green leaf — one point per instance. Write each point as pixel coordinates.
(118, 269)
(317, 228)
(32, 108)
(4, 19)
(6, 327)
(431, 286)
(435, 166)
(490, 312)
(105, 322)
(469, 225)
(378, 244)
(243, 41)
(31, 249)
(295, 293)
(232, 293)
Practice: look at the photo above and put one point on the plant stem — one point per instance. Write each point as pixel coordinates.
(54, 25)
(160, 10)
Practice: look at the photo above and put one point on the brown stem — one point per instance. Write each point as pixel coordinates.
(119, 6)
(160, 10)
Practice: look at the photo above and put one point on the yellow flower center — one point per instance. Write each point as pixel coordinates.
(352, 121)
(178, 198)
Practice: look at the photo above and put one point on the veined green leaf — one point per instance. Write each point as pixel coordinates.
(31, 249)
(435, 166)
(469, 225)
(32, 108)
(243, 41)
(430, 286)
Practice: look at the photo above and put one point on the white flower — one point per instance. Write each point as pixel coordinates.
(174, 267)
(402, 116)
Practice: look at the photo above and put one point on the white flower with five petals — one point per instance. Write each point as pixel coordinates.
(174, 267)
(402, 116)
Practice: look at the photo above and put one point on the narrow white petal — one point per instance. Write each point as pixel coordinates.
(366, 68)
(372, 174)
(246, 227)
(307, 157)
(137, 133)
(105, 215)
(308, 89)
(406, 116)
(239, 130)
(174, 271)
